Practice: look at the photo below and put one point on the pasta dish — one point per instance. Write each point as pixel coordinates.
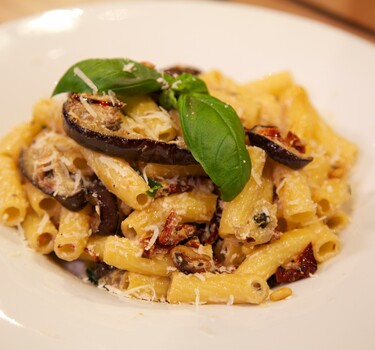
(178, 185)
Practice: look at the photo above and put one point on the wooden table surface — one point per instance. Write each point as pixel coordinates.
(345, 17)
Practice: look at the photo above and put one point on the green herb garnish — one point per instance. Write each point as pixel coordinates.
(92, 275)
(212, 129)
(154, 186)
(214, 134)
(262, 220)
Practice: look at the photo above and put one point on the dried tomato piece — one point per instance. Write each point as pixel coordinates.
(174, 233)
(155, 249)
(302, 267)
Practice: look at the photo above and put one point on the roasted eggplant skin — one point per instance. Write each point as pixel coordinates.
(108, 217)
(268, 138)
(177, 70)
(145, 150)
(73, 202)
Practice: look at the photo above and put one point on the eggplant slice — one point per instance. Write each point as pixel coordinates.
(106, 220)
(288, 151)
(95, 122)
(49, 164)
(177, 70)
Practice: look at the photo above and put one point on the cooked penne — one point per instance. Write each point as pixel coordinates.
(190, 206)
(73, 234)
(154, 170)
(274, 84)
(266, 259)
(294, 195)
(19, 137)
(252, 106)
(120, 178)
(41, 202)
(39, 232)
(147, 287)
(13, 203)
(47, 113)
(94, 249)
(126, 254)
(217, 288)
(331, 195)
(251, 215)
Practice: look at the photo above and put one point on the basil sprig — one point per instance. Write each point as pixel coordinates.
(212, 129)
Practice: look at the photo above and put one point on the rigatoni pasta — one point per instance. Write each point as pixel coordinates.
(114, 179)
(13, 203)
(40, 232)
(73, 234)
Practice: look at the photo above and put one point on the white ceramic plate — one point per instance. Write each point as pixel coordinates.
(43, 307)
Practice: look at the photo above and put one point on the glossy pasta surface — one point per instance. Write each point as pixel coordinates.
(162, 232)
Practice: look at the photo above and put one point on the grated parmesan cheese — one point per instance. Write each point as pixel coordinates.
(87, 106)
(154, 236)
(77, 180)
(85, 79)
(133, 292)
(171, 268)
(197, 296)
(42, 223)
(230, 300)
(144, 174)
(128, 67)
(280, 186)
(256, 178)
(112, 96)
(175, 84)
(163, 82)
(307, 223)
(200, 276)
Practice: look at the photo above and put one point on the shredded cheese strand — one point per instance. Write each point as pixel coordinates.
(85, 79)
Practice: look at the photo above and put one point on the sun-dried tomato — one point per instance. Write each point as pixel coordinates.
(302, 267)
(174, 233)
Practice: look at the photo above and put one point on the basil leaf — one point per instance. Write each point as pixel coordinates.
(122, 76)
(182, 84)
(215, 136)
(168, 100)
(188, 83)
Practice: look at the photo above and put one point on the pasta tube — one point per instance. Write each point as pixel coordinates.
(217, 288)
(119, 178)
(190, 206)
(41, 202)
(39, 232)
(13, 203)
(240, 216)
(147, 287)
(73, 234)
(18, 138)
(126, 254)
(267, 258)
